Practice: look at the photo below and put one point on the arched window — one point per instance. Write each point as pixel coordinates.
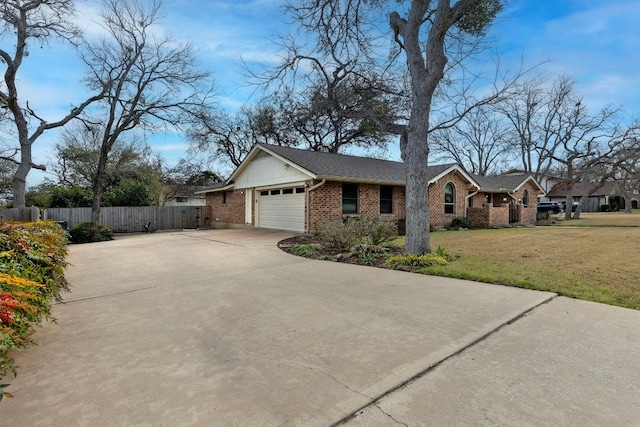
(525, 198)
(449, 199)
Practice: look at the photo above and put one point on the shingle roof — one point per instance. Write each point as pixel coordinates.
(582, 188)
(500, 183)
(345, 167)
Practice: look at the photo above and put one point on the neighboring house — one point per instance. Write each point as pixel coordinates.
(299, 190)
(504, 199)
(596, 198)
(547, 182)
(182, 196)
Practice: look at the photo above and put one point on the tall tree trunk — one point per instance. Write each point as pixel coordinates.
(627, 202)
(568, 202)
(98, 188)
(20, 185)
(417, 192)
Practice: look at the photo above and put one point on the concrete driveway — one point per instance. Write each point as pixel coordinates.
(221, 328)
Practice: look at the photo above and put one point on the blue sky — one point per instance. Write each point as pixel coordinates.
(596, 42)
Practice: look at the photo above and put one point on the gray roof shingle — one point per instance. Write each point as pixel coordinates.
(345, 167)
(500, 183)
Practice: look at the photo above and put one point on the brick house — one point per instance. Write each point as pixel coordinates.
(503, 200)
(299, 190)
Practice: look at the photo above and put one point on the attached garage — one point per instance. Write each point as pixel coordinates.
(281, 209)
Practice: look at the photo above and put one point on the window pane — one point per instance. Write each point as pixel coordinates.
(449, 198)
(264, 193)
(273, 192)
(386, 199)
(448, 193)
(349, 207)
(350, 191)
(386, 207)
(349, 198)
(287, 191)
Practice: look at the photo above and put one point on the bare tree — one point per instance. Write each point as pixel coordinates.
(589, 146)
(27, 22)
(78, 152)
(230, 138)
(535, 111)
(629, 172)
(480, 142)
(153, 82)
(346, 37)
(325, 115)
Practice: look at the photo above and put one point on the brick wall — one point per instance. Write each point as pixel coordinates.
(227, 212)
(527, 214)
(326, 203)
(489, 216)
(438, 218)
(479, 216)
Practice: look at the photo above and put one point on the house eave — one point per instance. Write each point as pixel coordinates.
(362, 180)
(215, 190)
(458, 169)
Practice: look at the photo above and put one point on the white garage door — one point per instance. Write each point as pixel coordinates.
(282, 209)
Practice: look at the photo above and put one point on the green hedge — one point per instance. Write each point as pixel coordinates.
(32, 262)
(85, 232)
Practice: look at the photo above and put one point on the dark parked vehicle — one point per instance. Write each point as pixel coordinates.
(549, 207)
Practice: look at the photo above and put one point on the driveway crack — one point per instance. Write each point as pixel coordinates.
(389, 415)
(375, 401)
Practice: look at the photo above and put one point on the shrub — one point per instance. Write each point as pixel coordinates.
(31, 277)
(442, 252)
(461, 222)
(438, 257)
(340, 236)
(605, 208)
(542, 216)
(303, 250)
(416, 261)
(345, 235)
(378, 230)
(84, 232)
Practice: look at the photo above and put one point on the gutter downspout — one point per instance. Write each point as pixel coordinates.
(308, 202)
(466, 201)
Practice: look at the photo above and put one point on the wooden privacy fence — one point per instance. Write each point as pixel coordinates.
(122, 219)
(20, 214)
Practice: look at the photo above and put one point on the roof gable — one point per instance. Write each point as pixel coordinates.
(505, 182)
(341, 167)
(337, 167)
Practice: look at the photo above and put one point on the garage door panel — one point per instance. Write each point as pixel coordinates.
(281, 211)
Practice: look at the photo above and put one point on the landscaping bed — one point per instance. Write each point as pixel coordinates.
(311, 246)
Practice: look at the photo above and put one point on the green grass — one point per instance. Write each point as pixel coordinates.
(528, 277)
(595, 261)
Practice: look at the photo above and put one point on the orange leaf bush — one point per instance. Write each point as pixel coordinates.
(32, 262)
